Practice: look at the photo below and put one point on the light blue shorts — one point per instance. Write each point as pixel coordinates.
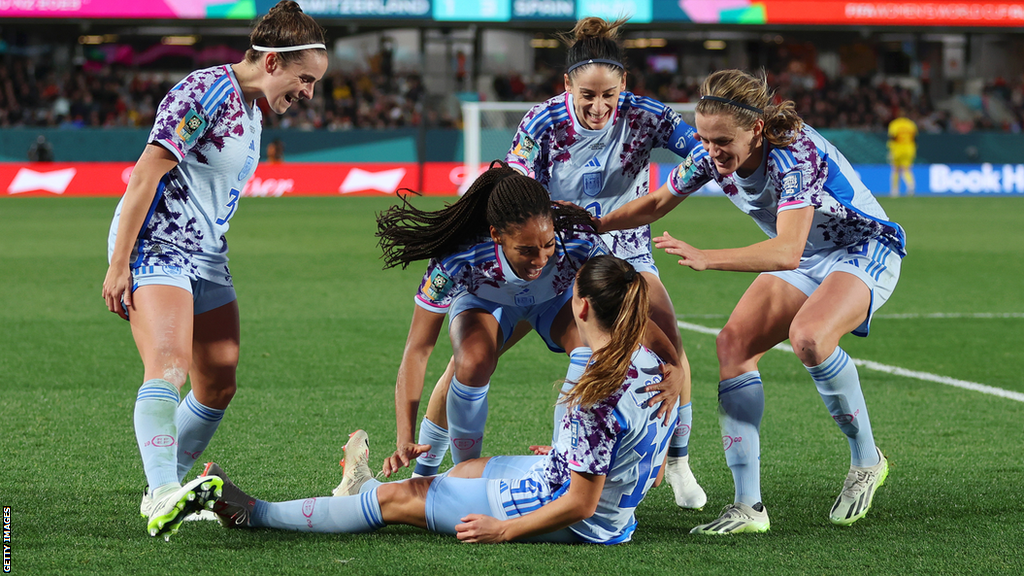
(206, 295)
(873, 261)
(540, 316)
(451, 499)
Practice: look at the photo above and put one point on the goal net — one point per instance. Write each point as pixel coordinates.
(488, 129)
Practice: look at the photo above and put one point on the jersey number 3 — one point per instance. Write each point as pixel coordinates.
(232, 204)
(647, 450)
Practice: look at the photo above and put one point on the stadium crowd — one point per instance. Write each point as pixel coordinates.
(34, 93)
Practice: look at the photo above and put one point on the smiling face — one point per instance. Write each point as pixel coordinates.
(295, 81)
(528, 247)
(595, 94)
(731, 147)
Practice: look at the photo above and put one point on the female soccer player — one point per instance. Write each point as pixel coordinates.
(168, 271)
(584, 491)
(591, 146)
(501, 254)
(831, 260)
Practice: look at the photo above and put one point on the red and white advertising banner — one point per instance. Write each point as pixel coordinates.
(110, 179)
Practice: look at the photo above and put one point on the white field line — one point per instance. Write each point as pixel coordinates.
(909, 316)
(894, 370)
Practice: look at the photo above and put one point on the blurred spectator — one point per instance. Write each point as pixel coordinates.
(40, 150)
(275, 151)
(115, 92)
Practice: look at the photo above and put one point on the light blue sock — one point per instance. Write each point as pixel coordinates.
(344, 514)
(370, 484)
(196, 424)
(467, 415)
(740, 407)
(578, 360)
(679, 445)
(156, 433)
(839, 386)
(430, 433)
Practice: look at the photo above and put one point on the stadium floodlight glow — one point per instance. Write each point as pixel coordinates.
(645, 43)
(714, 44)
(179, 40)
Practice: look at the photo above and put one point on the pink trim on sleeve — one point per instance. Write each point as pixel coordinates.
(167, 143)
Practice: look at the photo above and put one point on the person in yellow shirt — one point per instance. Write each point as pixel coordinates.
(902, 150)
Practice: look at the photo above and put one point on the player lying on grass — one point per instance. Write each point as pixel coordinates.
(584, 491)
(831, 260)
(502, 254)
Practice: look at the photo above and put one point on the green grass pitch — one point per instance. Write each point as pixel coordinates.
(323, 329)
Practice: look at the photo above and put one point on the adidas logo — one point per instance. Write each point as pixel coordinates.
(594, 163)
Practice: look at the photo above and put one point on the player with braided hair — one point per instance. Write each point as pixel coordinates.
(501, 254)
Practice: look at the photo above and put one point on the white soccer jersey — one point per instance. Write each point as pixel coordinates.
(808, 172)
(481, 269)
(215, 136)
(619, 438)
(599, 170)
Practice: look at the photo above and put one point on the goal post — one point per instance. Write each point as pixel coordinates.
(488, 129)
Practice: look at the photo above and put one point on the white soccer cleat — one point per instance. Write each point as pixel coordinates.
(168, 512)
(688, 493)
(736, 519)
(356, 464)
(148, 504)
(858, 491)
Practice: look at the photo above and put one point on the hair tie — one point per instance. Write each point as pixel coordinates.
(733, 103)
(595, 61)
(288, 48)
(629, 276)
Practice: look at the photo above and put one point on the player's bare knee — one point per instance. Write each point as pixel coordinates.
(474, 369)
(809, 344)
(731, 346)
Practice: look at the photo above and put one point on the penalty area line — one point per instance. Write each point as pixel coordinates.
(894, 370)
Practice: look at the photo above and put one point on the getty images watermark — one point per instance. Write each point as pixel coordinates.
(7, 538)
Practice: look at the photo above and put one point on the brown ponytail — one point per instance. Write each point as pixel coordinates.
(618, 297)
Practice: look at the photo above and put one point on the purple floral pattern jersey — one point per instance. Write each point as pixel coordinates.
(215, 136)
(619, 438)
(809, 172)
(481, 269)
(599, 170)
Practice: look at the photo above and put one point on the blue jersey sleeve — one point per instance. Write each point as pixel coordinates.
(692, 173)
(683, 138)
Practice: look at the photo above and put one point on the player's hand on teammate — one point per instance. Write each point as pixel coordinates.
(688, 255)
(480, 529)
(669, 389)
(402, 457)
(117, 289)
(595, 222)
(540, 450)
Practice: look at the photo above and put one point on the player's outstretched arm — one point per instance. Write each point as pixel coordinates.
(643, 210)
(423, 333)
(780, 253)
